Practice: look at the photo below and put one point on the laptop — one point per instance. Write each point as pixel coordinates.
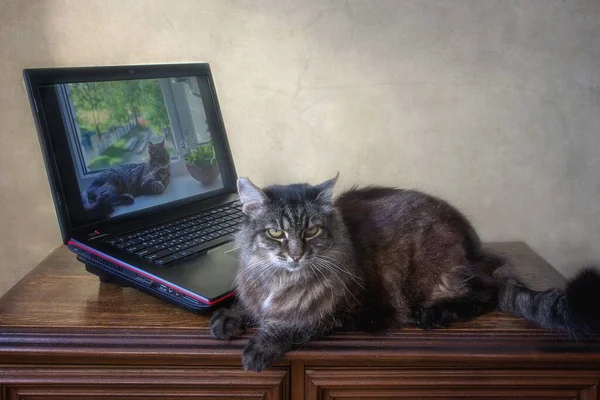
(142, 176)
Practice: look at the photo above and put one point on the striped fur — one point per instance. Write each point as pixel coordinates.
(573, 310)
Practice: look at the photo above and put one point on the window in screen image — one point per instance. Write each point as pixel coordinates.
(137, 144)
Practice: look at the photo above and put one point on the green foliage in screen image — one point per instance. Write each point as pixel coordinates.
(202, 156)
(153, 105)
(114, 156)
(123, 100)
(101, 106)
(91, 105)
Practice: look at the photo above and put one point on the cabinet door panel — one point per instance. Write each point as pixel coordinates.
(70, 383)
(357, 383)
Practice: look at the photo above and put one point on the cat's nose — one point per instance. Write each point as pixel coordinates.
(296, 257)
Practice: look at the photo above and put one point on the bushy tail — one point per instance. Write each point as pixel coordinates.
(574, 310)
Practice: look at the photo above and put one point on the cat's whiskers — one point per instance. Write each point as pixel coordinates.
(336, 264)
(324, 264)
(323, 282)
(327, 249)
(338, 268)
(265, 270)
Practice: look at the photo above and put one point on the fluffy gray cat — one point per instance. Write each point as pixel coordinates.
(372, 259)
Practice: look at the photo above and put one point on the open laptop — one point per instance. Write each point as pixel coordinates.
(142, 176)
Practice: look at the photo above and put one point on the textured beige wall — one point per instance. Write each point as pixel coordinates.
(493, 105)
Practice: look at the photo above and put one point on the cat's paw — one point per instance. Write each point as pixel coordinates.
(434, 317)
(159, 187)
(126, 199)
(225, 324)
(259, 356)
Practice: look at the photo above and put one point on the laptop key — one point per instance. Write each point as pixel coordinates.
(135, 249)
(187, 245)
(147, 251)
(195, 249)
(136, 240)
(187, 252)
(177, 248)
(165, 260)
(159, 254)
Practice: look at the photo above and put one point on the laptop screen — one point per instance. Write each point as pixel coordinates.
(137, 144)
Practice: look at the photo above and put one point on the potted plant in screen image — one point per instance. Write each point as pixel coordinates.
(201, 162)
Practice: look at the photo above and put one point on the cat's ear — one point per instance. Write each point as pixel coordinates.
(253, 199)
(150, 145)
(326, 189)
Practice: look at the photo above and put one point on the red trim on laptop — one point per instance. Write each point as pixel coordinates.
(149, 276)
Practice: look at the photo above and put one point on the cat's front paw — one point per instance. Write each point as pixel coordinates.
(160, 187)
(259, 356)
(126, 199)
(434, 317)
(225, 324)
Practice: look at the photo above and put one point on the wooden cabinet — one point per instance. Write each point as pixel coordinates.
(63, 335)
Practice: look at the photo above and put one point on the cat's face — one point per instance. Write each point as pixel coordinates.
(158, 154)
(289, 227)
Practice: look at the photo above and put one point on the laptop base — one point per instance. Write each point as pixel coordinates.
(103, 276)
(154, 291)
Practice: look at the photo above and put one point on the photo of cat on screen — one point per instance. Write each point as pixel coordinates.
(138, 143)
(119, 186)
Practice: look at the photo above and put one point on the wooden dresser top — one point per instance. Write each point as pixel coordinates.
(59, 293)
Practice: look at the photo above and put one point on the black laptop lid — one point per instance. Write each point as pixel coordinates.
(156, 128)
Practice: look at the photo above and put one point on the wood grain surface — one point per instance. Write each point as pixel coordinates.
(60, 293)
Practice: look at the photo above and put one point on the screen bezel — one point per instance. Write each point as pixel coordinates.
(53, 142)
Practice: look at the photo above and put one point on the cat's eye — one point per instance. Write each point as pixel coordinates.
(275, 233)
(312, 232)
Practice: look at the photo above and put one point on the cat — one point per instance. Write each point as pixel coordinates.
(120, 185)
(375, 258)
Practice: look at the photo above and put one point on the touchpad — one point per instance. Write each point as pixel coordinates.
(228, 249)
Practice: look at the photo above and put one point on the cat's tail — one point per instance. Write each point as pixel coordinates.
(573, 310)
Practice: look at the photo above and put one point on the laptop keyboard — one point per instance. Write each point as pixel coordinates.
(173, 241)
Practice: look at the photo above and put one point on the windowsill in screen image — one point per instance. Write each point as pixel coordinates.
(138, 144)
